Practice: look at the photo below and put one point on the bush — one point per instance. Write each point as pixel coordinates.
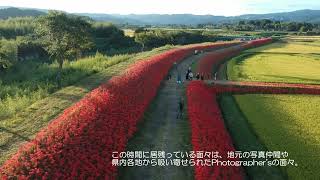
(8, 54)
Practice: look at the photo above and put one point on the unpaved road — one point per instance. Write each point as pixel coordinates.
(162, 131)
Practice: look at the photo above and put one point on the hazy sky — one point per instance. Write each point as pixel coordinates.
(214, 7)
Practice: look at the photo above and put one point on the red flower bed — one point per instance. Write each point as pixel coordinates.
(256, 43)
(213, 60)
(208, 132)
(79, 143)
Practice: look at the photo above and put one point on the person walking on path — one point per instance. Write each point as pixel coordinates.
(190, 76)
(202, 77)
(180, 110)
(175, 66)
(187, 76)
(198, 76)
(189, 70)
(169, 77)
(179, 79)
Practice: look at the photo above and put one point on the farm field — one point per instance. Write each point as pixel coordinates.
(290, 46)
(280, 122)
(278, 62)
(287, 123)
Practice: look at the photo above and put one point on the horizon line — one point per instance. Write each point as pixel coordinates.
(39, 9)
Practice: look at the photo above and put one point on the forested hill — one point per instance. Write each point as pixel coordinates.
(307, 16)
(16, 12)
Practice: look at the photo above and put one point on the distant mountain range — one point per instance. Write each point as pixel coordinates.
(6, 12)
(311, 16)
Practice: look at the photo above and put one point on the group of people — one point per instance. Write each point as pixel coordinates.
(190, 76)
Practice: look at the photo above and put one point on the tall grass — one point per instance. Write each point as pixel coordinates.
(30, 81)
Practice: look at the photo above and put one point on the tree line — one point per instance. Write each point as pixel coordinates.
(266, 25)
(64, 37)
(154, 38)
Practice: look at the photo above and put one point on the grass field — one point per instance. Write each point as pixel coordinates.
(291, 62)
(274, 67)
(128, 32)
(244, 138)
(23, 115)
(280, 122)
(291, 46)
(287, 123)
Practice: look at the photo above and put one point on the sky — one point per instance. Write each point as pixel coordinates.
(199, 7)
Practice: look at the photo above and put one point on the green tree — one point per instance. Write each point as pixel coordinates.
(139, 30)
(8, 53)
(141, 38)
(64, 36)
(303, 29)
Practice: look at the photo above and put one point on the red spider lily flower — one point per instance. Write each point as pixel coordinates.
(79, 143)
(208, 132)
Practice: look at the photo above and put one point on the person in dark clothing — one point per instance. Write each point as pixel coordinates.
(179, 81)
(175, 66)
(189, 70)
(202, 76)
(190, 76)
(181, 105)
(198, 76)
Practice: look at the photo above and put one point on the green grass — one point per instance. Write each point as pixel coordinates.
(283, 61)
(245, 138)
(31, 81)
(242, 134)
(290, 46)
(279, 122)
(269, 67)
(33, 110)
(128, 32)
(287, 123)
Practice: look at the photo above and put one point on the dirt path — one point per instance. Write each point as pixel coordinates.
(162, 131)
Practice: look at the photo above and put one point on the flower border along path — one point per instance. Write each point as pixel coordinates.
(79, 143)
(208, 130)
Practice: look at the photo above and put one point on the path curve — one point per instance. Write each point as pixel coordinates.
(162, 131)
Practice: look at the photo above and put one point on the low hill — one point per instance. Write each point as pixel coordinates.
(7, 12)
(310, 16)
(307, 15)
